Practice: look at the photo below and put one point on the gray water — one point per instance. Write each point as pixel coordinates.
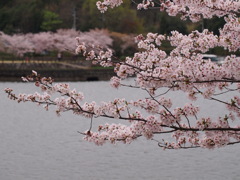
(38, 145)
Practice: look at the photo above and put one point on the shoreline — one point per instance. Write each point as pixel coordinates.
(13, 72)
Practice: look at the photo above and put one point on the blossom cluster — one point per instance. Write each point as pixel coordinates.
(103, 6)
(101, 56)
(194, 9)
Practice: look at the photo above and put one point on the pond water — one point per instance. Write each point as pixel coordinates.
(38, 145)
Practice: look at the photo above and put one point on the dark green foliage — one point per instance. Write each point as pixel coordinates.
(21, 16)
(213, 24)
(122, 19)
(51, 21)
(168, 24)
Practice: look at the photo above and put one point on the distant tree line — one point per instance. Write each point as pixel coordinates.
(24, 16)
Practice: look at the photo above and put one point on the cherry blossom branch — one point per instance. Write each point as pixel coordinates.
(89, 111)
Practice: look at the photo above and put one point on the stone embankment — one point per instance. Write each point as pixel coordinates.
(58, 71)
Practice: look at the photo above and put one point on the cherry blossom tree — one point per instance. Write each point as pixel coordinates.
(18, 44)
(155, 117)
(62, 40)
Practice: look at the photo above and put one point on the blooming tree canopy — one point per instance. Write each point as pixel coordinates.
(62, 40)
(153, 70)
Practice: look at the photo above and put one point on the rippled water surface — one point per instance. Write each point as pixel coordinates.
(38, 145)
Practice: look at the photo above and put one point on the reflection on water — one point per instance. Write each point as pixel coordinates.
(38, 145)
